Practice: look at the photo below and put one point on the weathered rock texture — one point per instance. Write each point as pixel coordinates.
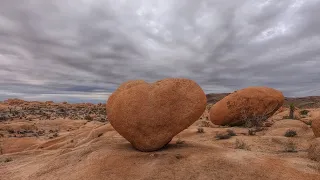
(246, 105)
(316, 126)
(150, 115)
(314, 150)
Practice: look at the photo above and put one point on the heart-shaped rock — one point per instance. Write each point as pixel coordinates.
(150, 115)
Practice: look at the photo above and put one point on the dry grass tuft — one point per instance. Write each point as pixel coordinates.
(291, 147)
(200, 130)
(239, 144)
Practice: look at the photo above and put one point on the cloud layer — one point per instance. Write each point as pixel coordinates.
(82, 50)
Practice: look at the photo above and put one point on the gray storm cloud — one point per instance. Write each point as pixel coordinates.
(82, 50)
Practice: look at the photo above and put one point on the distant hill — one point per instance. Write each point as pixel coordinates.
(300, 102)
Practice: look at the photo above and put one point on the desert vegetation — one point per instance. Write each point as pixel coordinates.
(291, 113)
(240, 144)
(290, 133)
(290, 147)
(19, 109)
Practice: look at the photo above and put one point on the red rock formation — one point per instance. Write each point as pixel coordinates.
(316, 126)
(245, 105)
(150, 115)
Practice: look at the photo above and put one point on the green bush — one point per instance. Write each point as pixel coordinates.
(291, 113)
(304, 112)
(290, 133)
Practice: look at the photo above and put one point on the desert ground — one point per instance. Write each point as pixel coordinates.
(78, 142)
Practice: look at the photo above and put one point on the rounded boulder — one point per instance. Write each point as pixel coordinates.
(248, 105)
(150, 115)
(315, 125)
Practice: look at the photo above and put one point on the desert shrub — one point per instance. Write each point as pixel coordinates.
(14, 112)
(47, 116)
(256, 121)
(8, 159)
(231, 132)
(291, 113)
(11, 131)
(88, 118)
(102, 119)
(251, 132)
(290, 133)
(252, 120)
(179, 141)
(200, 130)
(55, 134)
(239, 144)
(309, 123)
(204, 123)
(304, 112)
(222, 136)
(225, 135)
(178, 156)
(290, 147)
(3, 118)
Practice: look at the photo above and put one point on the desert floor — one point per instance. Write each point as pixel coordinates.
(80, 149)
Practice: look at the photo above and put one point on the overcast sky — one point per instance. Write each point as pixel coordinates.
(81, 50)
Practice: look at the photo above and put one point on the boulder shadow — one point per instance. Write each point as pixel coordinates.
(168, 147)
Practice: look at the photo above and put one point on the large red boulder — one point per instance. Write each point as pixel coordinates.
(150, 115)
(315, 125)
(248, 105)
